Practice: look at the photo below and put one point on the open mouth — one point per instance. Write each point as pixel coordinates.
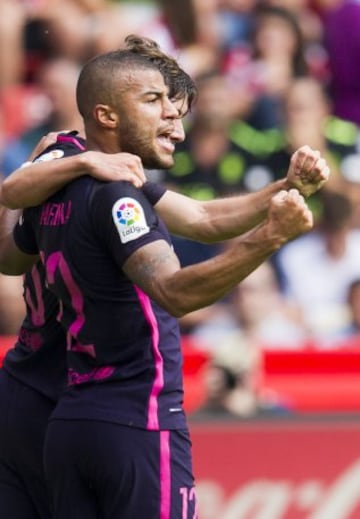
(166, 143)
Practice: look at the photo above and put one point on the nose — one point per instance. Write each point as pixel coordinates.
(178, 133)
(169, 109)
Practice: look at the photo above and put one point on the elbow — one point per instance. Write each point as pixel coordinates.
(177, 312)
(176, 306)
(173, 309)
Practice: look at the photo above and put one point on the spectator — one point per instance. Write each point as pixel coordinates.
(232, 386)
(276, 57)
(256, 313)
(307, 117)
(349, 336)
(328, 259)
(235, 19)
(57, 81)
(343, 47)
(12, 20)
(207, 164)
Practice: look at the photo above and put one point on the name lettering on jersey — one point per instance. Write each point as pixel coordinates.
(51, 155)
(129, 219)
(55, 213)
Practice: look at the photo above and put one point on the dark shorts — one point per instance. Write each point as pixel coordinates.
(100, 470)
(23, 419)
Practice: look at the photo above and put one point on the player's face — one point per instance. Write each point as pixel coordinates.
(182, 107)
(149, 122)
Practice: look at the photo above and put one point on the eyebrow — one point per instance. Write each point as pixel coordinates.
(157, 93)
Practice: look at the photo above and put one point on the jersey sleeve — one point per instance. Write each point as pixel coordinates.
(66, 145)
(124, 219)
(153, 192)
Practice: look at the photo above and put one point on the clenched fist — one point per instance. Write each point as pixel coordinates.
(308, 171)
(288, 215)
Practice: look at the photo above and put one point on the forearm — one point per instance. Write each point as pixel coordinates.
(181, 291)
(216, 220)
(233, 216)
(31, 185)
(201, 285)
(220, 220)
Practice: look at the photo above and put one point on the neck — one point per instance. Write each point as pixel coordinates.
(104, 142)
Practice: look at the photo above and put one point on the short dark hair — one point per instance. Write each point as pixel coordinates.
(97, 77)
(96, 80)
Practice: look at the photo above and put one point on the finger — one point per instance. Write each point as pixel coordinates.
(130, 177)
(326, 173)
(310, 163)
(140, 173)
(280, 196)
(321, 169)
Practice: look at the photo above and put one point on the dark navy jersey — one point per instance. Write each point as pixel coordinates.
(124, 356)
(38, 358)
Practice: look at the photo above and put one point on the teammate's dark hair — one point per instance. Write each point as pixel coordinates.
(180, 84)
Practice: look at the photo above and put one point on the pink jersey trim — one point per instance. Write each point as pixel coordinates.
(56, 261)
(73, 140)
(153, 418)
(165, 475)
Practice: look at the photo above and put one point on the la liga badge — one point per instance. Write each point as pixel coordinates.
(129, 219)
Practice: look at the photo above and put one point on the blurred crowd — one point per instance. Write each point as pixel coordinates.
(272, 75)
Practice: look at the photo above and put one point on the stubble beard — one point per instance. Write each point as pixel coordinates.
(136, 142)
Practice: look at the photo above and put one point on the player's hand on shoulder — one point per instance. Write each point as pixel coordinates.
(289, 216)
(308, 170)
(45, 141)
(112, 167)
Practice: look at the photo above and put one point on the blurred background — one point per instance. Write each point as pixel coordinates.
(272, 372)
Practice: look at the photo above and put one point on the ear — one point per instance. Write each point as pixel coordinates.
(105, 116)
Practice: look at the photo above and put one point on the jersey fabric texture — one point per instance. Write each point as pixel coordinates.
(32, 377)
(124, 355)
(38, 356)
(118, 442)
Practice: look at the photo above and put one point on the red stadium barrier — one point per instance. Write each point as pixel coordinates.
(284, 469)
(306, 380)
(314, 380)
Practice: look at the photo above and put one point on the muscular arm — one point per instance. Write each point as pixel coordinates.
(215, 220)
(208, 222)
(156, 270)
(31, 185)
(221, 219)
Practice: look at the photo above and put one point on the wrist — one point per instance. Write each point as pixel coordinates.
(84, 163)
(286, 184)
(265, 238)
(271, 237)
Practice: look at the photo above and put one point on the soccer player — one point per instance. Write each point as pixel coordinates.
(118, 443)
(34, 371)
(35, 367)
